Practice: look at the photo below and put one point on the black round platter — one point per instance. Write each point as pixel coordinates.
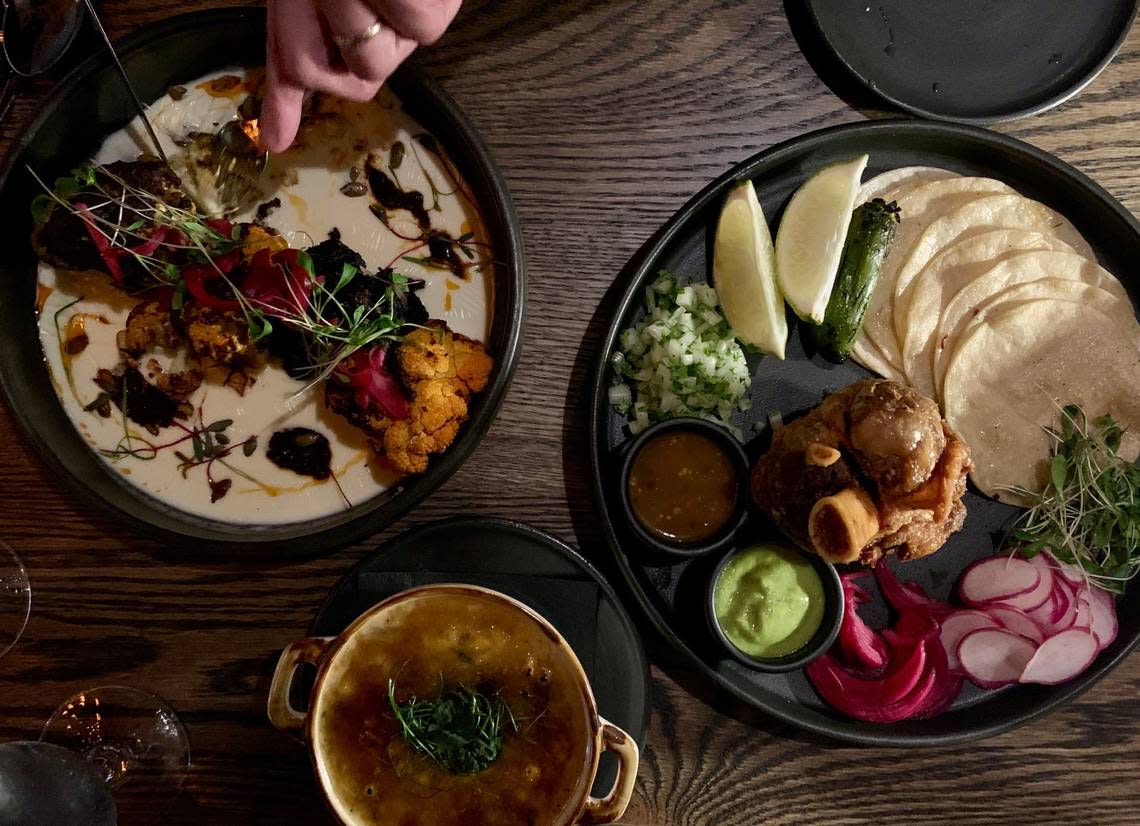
(1025, 56)
(90, 104)
(671, 591)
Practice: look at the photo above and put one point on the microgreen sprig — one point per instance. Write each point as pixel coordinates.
(333, 331)
(1089, 511)
(132, 210)
(461, 730)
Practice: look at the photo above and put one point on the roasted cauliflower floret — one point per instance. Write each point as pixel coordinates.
(435, 352)
(215, 334)
(148, 326)
(440, 369)
(472, 364)
(436, 411)
(259, 238)
(178, 385)
(437, 370)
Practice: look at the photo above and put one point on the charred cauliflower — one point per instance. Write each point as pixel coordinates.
(441, 370)
(437, 370)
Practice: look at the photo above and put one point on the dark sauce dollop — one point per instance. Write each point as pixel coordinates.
(442, 252)
(144, 403)
(392, 197)
(302, 451)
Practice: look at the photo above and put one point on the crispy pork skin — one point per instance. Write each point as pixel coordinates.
(873, 469)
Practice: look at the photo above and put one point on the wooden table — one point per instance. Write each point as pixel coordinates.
(605, 117)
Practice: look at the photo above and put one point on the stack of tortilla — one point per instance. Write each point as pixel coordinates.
(995, 305)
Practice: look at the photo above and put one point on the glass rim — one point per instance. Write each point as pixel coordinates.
(22, 573)
(12, 67)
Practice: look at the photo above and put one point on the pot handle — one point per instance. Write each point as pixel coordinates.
(611, 807)
(281, 714)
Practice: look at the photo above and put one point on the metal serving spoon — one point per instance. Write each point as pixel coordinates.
(35, 34)
(236, 163)
(90, 4)
(233, 159)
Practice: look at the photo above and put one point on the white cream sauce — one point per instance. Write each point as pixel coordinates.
(307, 179)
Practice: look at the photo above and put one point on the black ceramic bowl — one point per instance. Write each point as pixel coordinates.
(739, 460)
(89, 104)
(822, 639)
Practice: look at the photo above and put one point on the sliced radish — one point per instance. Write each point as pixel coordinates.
(998, 578)
(992, 658)
(1084, 616)
(1063, 584)
(1017, 621)
(1062, 657)
(1037, 596)
(1047, 562)
(1073, 573)
(1063, 592)
(958, 625)
(1103, 608)
(1043, 614)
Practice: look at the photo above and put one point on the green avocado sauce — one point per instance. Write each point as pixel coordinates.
(769, 601)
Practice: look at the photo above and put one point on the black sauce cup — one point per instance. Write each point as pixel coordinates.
(824, 635)
(735, 451)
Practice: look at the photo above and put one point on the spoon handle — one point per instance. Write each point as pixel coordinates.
(126, 80)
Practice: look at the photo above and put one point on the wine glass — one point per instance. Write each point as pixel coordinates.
(36, 35)
(15, 598)
(46, 785)
(132, 738)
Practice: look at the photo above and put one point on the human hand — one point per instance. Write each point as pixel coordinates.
(345, 47)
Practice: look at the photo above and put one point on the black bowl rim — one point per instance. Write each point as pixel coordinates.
(725, 535)
(1056, 100)
(636, 269)
(820, 641)
(293, 540)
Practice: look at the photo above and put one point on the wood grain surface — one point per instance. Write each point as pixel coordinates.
(605, 117)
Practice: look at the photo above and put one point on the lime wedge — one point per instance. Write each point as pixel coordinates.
(744, 273)
(810, 240)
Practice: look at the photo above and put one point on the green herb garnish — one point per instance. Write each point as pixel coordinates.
(461, 730)
(1089, 512)
(120, 215)
(333, 330)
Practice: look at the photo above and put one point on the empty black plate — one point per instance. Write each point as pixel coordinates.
(673, 592)
(974, 61)
(534, 568)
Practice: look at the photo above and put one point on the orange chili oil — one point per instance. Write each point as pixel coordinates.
(683, 487)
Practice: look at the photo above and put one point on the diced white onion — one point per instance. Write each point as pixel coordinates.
(681, 359)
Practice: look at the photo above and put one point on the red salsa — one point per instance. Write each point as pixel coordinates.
(683, 487)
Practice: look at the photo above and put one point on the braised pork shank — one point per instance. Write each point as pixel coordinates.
(873, 469)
